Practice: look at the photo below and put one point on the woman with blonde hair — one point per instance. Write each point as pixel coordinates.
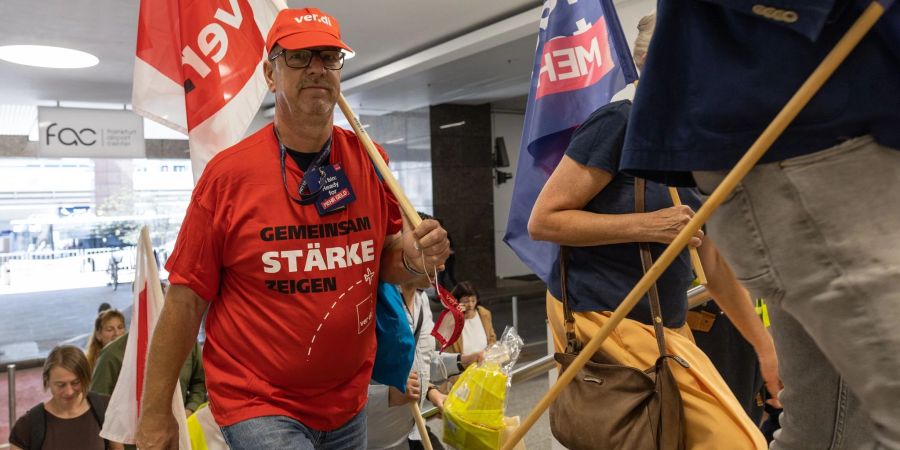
(108, 326)
(72, 418)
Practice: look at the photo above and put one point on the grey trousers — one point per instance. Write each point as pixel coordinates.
(818, 236)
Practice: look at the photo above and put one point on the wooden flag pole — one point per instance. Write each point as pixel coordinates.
(405, 206)
(695, 257)
(787, 114)
(420, 425)
(152, 268)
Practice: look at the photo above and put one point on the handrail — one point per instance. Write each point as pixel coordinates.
(532, 369)
(11, 380)
(76, 340)
(697, 296)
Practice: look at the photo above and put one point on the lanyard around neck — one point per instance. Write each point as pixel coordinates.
(307, 196)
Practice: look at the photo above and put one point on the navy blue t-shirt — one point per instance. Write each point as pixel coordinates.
(718, 71)
(600, 277)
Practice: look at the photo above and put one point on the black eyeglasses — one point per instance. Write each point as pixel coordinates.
(301, 59)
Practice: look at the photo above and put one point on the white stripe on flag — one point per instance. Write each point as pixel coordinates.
(227, 126)
(159, 98)
(122, 413)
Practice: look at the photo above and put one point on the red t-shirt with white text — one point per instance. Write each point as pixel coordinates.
(290, 329)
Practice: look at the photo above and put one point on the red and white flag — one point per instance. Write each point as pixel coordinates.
(124, 407)
(198, 68)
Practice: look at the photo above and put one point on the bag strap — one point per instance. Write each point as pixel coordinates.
(38, 419)
(98, 409)
(640, 188)
(572, 344)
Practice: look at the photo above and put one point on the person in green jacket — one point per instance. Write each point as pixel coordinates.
(192, 377)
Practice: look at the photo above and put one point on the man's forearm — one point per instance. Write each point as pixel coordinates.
(426, 248)
(733, 298)
(173, 338)
(738, 306)
(392, 270)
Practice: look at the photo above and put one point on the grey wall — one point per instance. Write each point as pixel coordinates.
(507, 123)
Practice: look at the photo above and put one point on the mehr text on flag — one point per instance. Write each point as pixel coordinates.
(581, 61)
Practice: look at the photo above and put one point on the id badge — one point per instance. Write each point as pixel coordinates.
(336, 191)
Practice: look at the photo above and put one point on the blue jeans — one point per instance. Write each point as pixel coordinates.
(285, 433)
(819, 237)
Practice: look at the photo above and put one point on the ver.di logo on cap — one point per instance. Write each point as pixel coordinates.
(313, 18)
(296, 29)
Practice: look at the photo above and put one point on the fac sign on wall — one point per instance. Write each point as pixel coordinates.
(90, 133)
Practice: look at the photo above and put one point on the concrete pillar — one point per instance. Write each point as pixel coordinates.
(462, 170)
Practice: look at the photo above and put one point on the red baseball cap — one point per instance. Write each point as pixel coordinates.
(304, 28)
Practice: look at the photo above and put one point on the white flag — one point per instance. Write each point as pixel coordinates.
(124, 407)
(198, 68)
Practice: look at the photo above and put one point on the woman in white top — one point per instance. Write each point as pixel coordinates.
(390, 424)
(478, 332)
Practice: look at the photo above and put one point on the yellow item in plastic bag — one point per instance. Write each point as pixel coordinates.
(473, 411)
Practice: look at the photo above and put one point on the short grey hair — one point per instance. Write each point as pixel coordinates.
(275, 50)
(642, 43)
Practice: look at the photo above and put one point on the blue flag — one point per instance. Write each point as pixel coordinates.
(581, 61)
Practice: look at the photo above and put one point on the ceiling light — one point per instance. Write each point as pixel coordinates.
(45, 56)
(452, 125)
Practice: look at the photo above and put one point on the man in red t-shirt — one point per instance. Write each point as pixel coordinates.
(285, 239)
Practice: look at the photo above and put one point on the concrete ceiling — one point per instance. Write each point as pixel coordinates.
(409, 53)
